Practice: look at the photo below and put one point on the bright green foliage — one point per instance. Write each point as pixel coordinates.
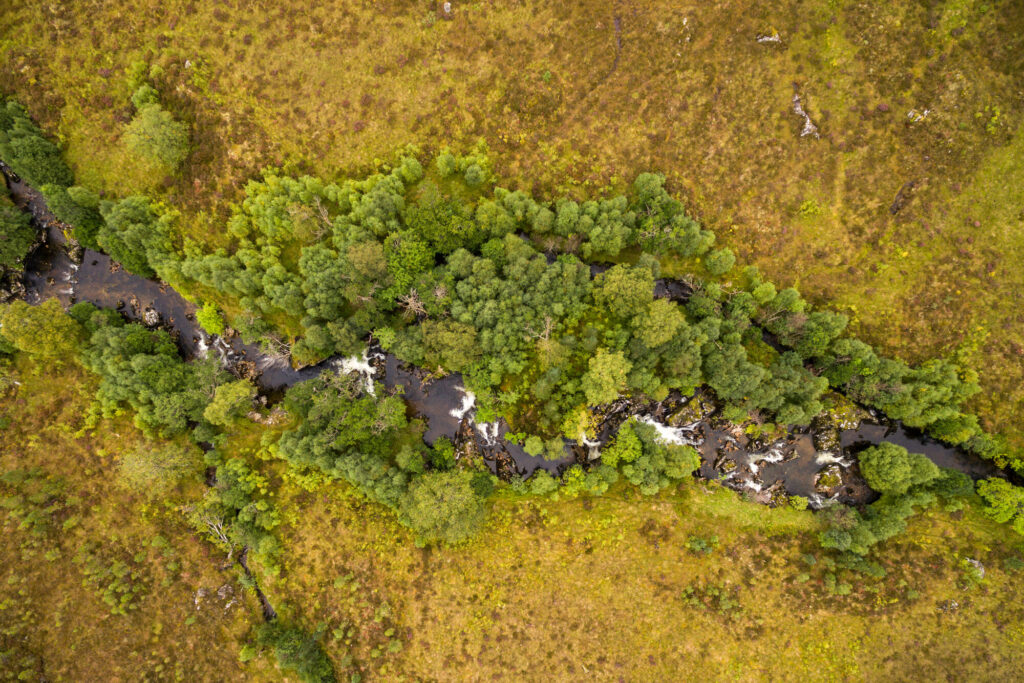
(659, 463)
(348, 435)
(297, 651)
(541, 483)
(1004, 502)
(889, 468)
(24, 148)
(155, 136)
(82, 214)
(660, 322)
(442, 507)
(16, 236)
(624, 290)
(449, 344)
(44, 330)
(238, 513)
(136, 237)
(720, 261)
(153, 470)
(625, 448)
(534, 445)
(142, 368)
(606, 377)
(210, 319)
(230, 403)
(145, 95)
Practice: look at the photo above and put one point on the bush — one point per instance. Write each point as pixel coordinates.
(296, 650)
(720, 261)
(81, 213)
(889, 468)
(230, 403)
(210, 319)
(155, 136)
(44, 330)
(442, 507)
(16, 237)
(153, 471)
(24, 148)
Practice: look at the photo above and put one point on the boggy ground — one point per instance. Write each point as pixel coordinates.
(622, 587)
(905, 213)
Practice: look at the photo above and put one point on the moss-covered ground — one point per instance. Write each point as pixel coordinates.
(626, 587)
(918, 107)
(906, 213)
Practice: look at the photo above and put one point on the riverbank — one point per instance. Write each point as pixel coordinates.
(816, 463)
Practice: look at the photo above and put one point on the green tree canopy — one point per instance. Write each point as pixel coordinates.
(889, 468)
(606, 377)
(442, 507)
(155, 136)
(230, 403)
(43, 330)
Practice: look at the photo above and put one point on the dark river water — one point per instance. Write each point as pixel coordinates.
(818, 463)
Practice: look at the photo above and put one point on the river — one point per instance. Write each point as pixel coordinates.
(818, 463)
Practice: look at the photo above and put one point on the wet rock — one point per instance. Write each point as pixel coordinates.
(76, 252)
(725, 464)
(246, 369)
(774, 496)
(825, 434)
(697, 409)
(151, 317)
(809, 128)
(829, 479)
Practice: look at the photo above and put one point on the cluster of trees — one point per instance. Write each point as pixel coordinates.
(141, 367)
(488, 285)
(39, 163)
(906, 481)
(16, 237)
(153, 134)
(368, 442)
(646, 461)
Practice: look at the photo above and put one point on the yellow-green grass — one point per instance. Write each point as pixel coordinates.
(333, 88)
(50, 613)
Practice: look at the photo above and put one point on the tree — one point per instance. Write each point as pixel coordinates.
(44, 330)
(78, 207)
(442, 507)
(24, 148)
(210, 319)
(1004, 502)
(659, 322)
(451, 344)
(230, 402)
(720, 261)
(16, 236)
(135, 236)
(154, 470)
(624, 290)
(155, 136)
(605, 377)
(890, 469)
(296, 650)
(625, 448)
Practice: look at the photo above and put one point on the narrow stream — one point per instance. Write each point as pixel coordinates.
(818, 462)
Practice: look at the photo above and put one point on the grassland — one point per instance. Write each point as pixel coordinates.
(919, 109)
(553, 589)
(918, 106)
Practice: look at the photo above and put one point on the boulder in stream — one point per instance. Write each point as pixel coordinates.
(697, 409)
